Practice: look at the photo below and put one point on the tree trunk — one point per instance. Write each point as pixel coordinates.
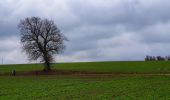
(47, 66)
(46, 63)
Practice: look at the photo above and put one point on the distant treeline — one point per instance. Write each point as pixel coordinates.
(157, 58)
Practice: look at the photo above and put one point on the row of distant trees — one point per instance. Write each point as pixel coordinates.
(157, 58)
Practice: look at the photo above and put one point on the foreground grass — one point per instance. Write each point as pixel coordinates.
(124, 67)
(85, 88)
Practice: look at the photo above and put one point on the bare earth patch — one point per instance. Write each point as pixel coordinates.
(79, 73)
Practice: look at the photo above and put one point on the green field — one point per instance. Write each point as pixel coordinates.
(75, 87)
(122, 66)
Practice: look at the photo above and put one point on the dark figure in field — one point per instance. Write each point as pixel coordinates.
(13, 73)
(36, 73)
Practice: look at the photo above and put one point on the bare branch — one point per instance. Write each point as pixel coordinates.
(41, 39)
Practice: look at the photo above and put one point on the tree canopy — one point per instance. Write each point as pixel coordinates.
(41, 39)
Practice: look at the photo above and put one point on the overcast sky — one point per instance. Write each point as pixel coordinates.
(98, 30)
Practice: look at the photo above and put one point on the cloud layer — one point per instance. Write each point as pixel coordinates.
(97, 29)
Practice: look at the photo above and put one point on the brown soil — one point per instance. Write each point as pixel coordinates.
(79, 73)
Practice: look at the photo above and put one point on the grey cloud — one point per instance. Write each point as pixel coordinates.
(135, 14)
(97, 29)
(10, 51)
(157, 33)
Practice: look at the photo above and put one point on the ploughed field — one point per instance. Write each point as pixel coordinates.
(128, 80)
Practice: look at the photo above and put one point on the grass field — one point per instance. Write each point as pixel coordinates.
(72, 87)
(86, 88)
(124, 66)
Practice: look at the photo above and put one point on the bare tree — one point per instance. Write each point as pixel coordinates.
(41, 39)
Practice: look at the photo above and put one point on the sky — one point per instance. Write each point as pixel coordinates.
(98, 30)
